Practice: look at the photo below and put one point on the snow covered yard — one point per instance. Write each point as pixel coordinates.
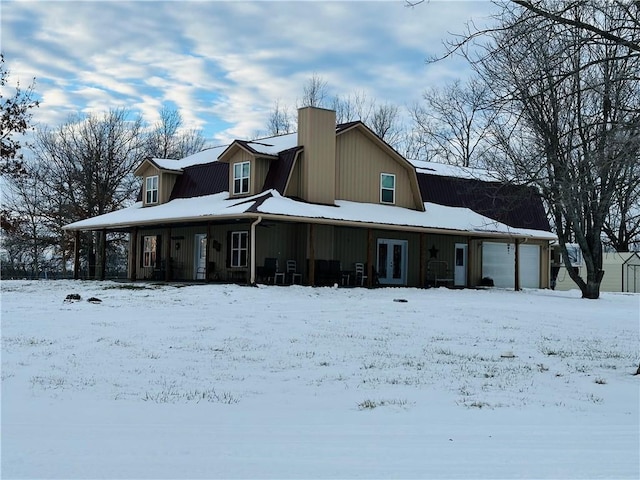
(222, 381)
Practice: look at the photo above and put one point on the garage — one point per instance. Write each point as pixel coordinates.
(498, 263)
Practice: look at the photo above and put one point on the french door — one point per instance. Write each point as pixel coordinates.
(392, 261)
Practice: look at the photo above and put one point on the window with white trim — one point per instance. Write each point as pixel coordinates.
(239, 248)
(149, 251)
(241, 174)
(387, 188)
(151, 189)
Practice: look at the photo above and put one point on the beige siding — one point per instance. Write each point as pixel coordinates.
(259, 170)
(351, 246)
(166, 182)
(324, 242)
(242, 155)
(317, 133)
(283, 241)
(359, 163)
(293, 188)
(545, 265)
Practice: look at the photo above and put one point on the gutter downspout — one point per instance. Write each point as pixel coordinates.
(252, 275)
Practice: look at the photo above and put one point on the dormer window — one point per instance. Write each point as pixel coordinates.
(151, 189)
(241, 174)
(387, 188)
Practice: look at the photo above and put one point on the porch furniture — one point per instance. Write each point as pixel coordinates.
(360, 274)
(292, 271)
(439, 274)
(328, 272)
(268, 271)
(203, 273)
(159, 270)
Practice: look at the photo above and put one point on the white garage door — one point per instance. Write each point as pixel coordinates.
(498, 263)
(529, 266)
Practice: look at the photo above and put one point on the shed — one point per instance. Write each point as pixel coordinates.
(621, 273)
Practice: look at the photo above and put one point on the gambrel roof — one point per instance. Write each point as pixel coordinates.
(456, 200)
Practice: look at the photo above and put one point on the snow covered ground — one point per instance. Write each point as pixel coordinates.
(224, 381)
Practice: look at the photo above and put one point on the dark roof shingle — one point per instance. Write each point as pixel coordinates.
(280, 169)
(518, 206)
(203, 179)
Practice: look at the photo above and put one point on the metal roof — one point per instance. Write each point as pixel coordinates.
(203, 179)
(518, 206)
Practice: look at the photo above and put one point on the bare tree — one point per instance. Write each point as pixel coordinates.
(314, 92)
(353, 107)
(279, 121)
(28, 242)
(168, 140)
(385, 122)
(14, 120)
(563, 13)
(454, 121)
(574, 99)
(88, 164)
(622, 225)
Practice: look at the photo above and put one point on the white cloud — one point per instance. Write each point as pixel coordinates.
(224, 64)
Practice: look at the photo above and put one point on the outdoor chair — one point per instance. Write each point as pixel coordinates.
(292, 271)
(439, 273)
(269, 270)
(360, 274)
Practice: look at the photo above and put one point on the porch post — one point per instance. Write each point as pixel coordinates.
(252, 255)
(76, 255)
(312, 255)
(423, 258)
(103, 254)
(517, 266)
(133, 248)
(206, 253)
(166, 253)
(370, 249)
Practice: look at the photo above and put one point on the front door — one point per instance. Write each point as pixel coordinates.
(392, 261)
(460, 267)
(200, 260)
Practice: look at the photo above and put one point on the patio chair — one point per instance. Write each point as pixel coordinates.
(269, 270)
(361, 274)
(292, 271)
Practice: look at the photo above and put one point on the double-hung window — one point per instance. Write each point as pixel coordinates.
(387, 188)
(239, 248)
(241, 174)
(151, 187)
(149, 251)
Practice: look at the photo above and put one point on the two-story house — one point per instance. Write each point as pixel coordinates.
(335, 204)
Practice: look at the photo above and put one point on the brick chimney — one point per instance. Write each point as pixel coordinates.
(317, 134)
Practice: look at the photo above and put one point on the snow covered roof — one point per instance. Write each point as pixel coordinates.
(456, 200)
(273, 145)
(444, 169)
(272, 204)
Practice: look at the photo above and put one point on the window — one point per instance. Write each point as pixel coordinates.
(239, 248)
(241, 172)
(151, 187)
(387, 188)
(149, 251)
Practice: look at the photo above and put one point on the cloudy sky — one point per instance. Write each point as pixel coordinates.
(223, 65)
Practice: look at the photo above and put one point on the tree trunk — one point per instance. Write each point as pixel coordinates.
(591, 288)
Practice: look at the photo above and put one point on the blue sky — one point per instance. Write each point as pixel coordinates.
(223, 65)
